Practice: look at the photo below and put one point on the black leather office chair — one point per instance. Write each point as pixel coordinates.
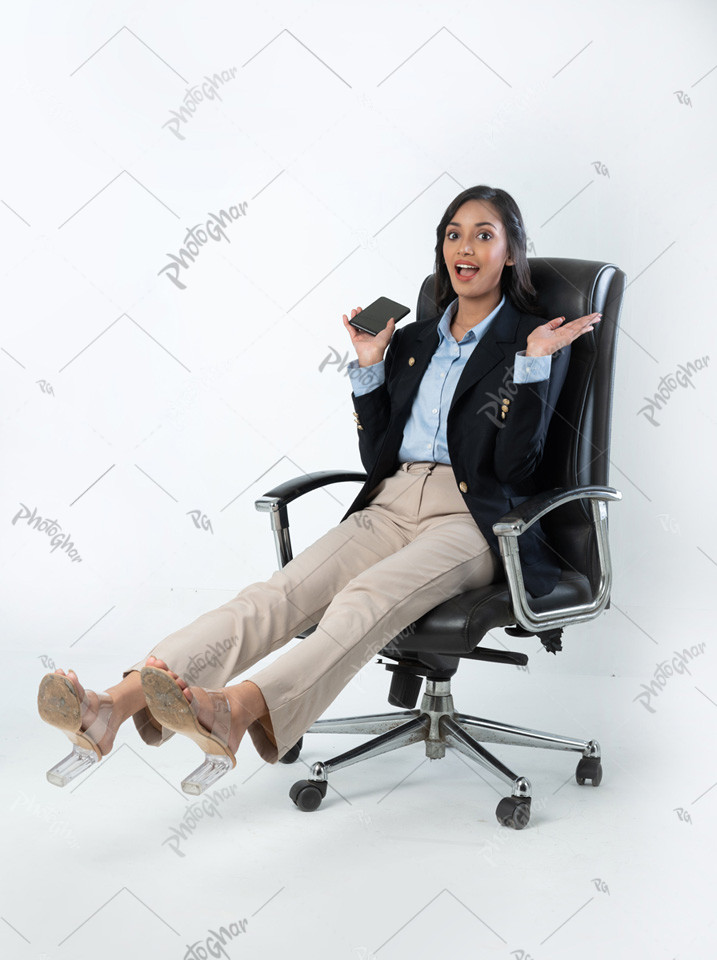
(573, 515)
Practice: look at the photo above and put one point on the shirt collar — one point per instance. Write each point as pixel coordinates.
(444, 325)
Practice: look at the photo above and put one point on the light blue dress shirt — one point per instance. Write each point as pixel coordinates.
(424, 435)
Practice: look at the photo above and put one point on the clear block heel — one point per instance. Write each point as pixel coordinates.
(168, 705)
(75, 763)
(207, 773)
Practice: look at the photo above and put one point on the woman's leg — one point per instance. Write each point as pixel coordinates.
(364, 617)
(447, 555)
(221, 643)
(224, 642)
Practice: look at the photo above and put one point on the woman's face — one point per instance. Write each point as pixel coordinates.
(475, 236)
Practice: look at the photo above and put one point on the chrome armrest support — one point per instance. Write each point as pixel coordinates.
(510, 527)
(275, 501)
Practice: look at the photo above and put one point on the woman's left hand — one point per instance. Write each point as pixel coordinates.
(555, 334)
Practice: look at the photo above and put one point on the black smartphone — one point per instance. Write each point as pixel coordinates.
(377, 314)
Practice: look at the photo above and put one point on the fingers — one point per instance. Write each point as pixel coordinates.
(351, 329)
(590, 322)
(385, 335)
(572, 324)
(581, 325)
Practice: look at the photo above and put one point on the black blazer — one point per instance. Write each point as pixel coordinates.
(493, 459)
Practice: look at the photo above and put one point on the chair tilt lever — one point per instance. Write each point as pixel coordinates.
(551, 639)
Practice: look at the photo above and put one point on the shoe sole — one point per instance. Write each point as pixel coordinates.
(168, 705)
(59, 705)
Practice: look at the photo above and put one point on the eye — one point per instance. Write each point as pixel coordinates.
(483, 233)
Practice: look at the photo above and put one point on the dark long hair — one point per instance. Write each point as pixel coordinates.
(515, 280)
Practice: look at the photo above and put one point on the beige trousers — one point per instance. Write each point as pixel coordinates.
(365, 580)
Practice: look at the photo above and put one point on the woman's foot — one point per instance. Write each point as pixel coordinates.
(215, 719)
(96, 715)
(85, 716)
(245, 700)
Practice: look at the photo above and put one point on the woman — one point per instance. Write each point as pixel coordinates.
(451, 415)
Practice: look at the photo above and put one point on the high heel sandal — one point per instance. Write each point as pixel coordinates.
(60, 705)
(168, 705)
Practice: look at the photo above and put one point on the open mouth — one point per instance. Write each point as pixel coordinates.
(466, 271)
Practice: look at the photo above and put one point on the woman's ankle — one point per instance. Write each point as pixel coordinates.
(253, 699)
(257, 706)
(128, 696)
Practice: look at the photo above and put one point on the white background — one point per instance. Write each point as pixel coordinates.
(128, 404)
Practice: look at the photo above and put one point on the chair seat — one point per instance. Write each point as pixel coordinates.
(458, 625)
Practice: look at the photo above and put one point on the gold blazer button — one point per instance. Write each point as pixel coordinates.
(464, 486)
(411, 361)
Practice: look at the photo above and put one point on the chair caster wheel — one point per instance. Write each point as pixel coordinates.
(308, 794)
(513, 812)
(291, 756)
(589, 768)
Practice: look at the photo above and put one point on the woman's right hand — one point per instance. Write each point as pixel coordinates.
(369, 348)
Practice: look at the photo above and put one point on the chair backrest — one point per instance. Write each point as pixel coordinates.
(577, 448)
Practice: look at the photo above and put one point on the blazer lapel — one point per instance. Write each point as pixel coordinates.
(422, 349)
(488, 352)
(426, 344)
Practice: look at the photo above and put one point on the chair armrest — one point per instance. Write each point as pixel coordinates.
(523, 516)
(291, 489)
(510, 527)
(275, 501)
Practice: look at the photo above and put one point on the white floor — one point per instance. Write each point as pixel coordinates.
(404, 858)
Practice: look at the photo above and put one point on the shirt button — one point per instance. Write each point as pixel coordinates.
(464, 486)
(435, 410)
